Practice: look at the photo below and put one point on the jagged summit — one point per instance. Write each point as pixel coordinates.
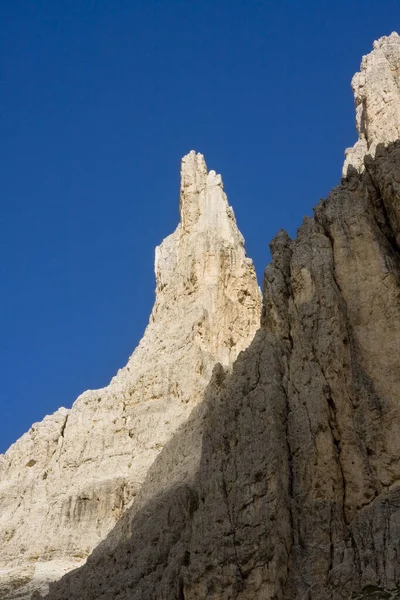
(205, 215)
(193, 172)
(377, 98)
(72, 475)
(203, 203)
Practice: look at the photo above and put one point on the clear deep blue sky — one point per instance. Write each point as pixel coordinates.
(99, 101)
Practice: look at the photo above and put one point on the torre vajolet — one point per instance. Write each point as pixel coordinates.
(250, 447)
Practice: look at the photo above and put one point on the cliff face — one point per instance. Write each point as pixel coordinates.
(285, 481)
(67, 481)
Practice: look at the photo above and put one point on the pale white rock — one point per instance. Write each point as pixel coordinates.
(65, 483)
(377, 98)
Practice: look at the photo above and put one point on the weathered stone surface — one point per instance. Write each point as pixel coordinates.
(67, 481)
(377, 97)
(291, 488)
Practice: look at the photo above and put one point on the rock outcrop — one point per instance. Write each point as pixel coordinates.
(377, 96)
(67, 481)
(284, 483)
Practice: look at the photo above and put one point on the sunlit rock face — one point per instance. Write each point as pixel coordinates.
(67, 481)
(377, 98)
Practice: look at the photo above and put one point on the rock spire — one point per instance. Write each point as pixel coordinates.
(65, 483)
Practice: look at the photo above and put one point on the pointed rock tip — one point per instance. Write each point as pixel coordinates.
(202, 198)
(193, 161)
(194, 173)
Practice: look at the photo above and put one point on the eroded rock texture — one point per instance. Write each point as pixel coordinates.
(285, 482)
(294, 489)
(67, 481)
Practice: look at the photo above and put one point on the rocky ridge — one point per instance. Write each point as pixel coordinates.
(67, 481)
(284, 482)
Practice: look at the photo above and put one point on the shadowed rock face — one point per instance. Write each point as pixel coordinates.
(291, 486)
(67, 481)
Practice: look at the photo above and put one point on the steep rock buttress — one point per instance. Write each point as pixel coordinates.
(66, 482)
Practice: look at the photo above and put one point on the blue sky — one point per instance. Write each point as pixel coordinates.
(99, 101)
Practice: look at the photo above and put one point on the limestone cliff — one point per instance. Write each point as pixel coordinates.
(67, 481)
(284, 483)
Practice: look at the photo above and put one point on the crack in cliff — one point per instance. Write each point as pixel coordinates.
(239, 575)
(286, 344)
(63, 426)
(332, 405)
(290, 488)
(289, 451)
